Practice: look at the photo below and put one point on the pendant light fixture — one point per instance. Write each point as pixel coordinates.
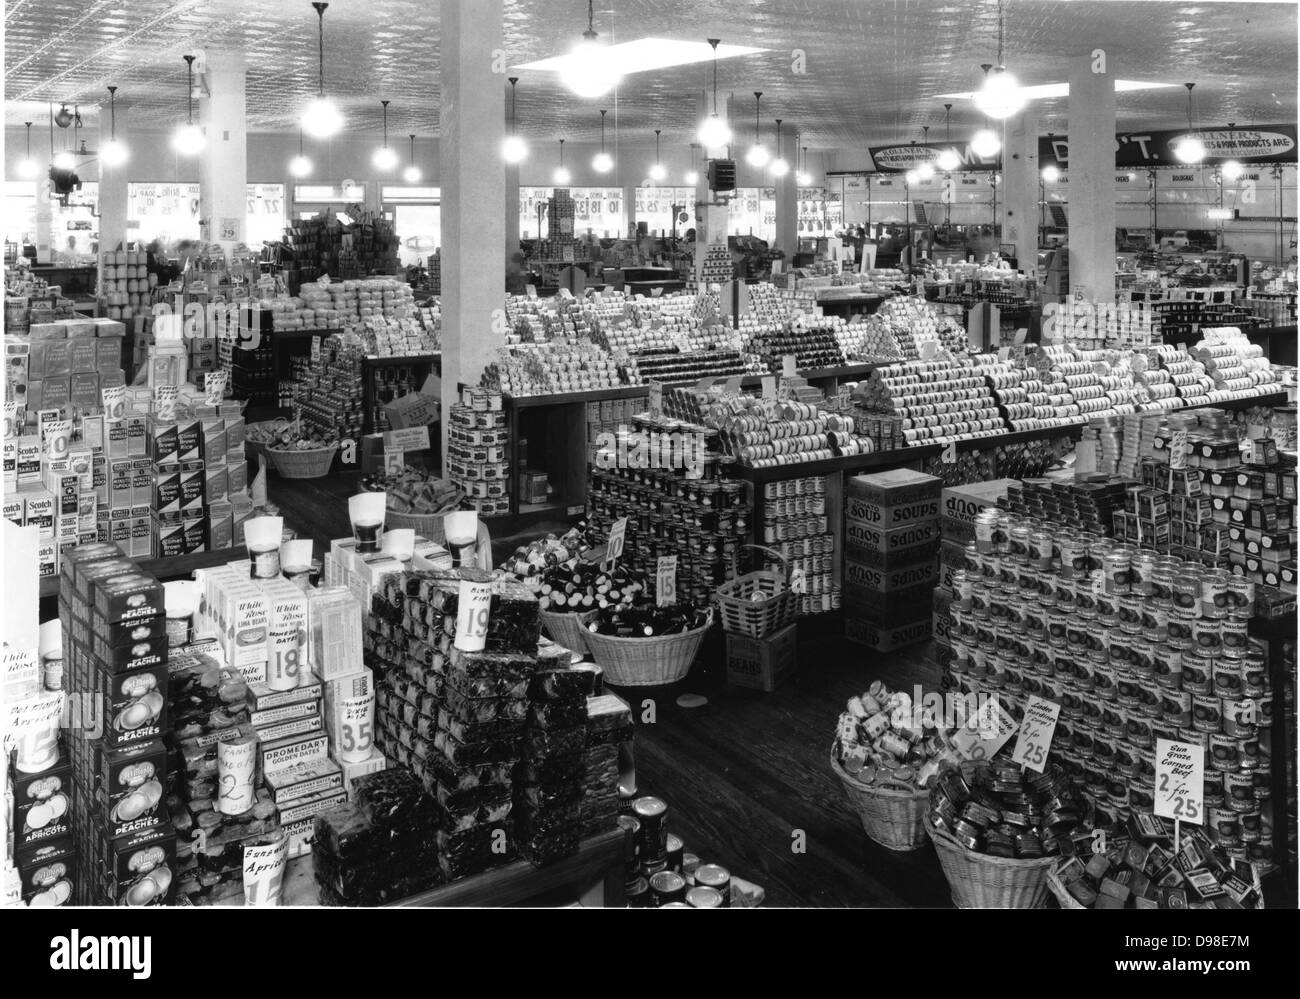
(412, 172)
(64, 117)
(692, 175)
(384, 157)
(189, 139)
(27, 167)
(714, 131)
(758, 155)
(321, 118)
(778, 166)
(300, 165)
(62, 160)
(590, 70)
(1001, 96)
(513, 148)
(1231, 169)
(801, 176)
(1051, 173)
(925, 169)
(1189, 149)
(113, 153)
(947, 160)
(562, 177)
(657, 171)
(985, 143)
(602, 162)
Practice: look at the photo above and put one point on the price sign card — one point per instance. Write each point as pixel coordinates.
(616, 535)
(474, 606)
(787, 366)
(1178, 450)
(407, 439)
(1036, 731)
(769, 386)
(1180, 781)
(656, 400)
(264, 872)
(986, 732)
(666, 580)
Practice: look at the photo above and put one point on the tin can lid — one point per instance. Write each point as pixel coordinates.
(704, 897)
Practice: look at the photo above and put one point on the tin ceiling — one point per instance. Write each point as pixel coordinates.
(872, 69)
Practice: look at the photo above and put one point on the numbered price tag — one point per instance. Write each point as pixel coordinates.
(617, 534)
(394, 462)
(985, 732)
(1178, 450)
(1036, 731)
(474, 608)
(656, 400)
(666, 580)
(1180, 781)
(264, 872)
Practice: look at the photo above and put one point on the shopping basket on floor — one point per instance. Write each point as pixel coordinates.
(758, 603)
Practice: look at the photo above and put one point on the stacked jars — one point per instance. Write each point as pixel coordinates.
(1135, 646)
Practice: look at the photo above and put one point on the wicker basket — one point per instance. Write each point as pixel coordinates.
(978, 881)
(774, 608)
(569, 629)
(645, 662)
(892, 817)
(302, 463)
(1063, 897)
(258, 447)
(423, 524)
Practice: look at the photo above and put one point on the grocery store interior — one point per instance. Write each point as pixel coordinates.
(650, 454)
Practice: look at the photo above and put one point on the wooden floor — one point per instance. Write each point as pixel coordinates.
(745, 773)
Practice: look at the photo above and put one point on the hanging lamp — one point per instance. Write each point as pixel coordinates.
(985, 143)
(714, 131)
(590, 70)
(300, 165)
(189, 139)
(412, 172)
(113, 153)
(925, 169)
(1001, 96)
(758, 155)
(801, 176)
(27, 167)
(692, 175)
(513, 148)
(1189, 149)
(321, 118)
(602, 162)
(657, 171)
(778, 166)
(562, 177)
(947, 160)
(385, 158)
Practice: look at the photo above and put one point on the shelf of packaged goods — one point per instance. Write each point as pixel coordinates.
(592, 877)
(164, 569)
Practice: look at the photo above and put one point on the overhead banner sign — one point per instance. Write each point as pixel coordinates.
(901, 158)
(1155, 147)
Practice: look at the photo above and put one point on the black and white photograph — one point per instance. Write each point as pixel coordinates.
(555, 457)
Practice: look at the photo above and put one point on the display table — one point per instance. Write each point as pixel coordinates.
(593, 877)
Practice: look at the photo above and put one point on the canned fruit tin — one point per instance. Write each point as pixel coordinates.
(1227, 677)
(1185, 590)
(1178, 631)
(1225, 754)
(1207, 713)
(1207, 636)
(1235, 636)
(1239, 793)
(1242, 591)
(1215, 587)
(1115, 565)
(1167, 666)
(1176, 707)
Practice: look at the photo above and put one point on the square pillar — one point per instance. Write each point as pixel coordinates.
(223, 167)
(1092, 179)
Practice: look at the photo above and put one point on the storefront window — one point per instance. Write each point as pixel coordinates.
(265, 221)
(654, 207)
(20, 214)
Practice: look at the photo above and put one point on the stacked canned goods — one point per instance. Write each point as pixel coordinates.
(795, 528)
(1135, 647)
(702, 521)
(659, 872)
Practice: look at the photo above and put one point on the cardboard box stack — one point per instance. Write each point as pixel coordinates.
(198, 479)
(891, 537)
(116, 676)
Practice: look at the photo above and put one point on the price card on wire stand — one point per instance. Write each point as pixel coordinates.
(473, 609)
(1178, 450)
(666, 581)
(985, 732)
(1036, 730)
(1180, 781)
(616, 535)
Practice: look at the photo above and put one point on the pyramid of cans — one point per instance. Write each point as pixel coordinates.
(1135, 647)
(795, 528)
(477, 442)
(1188, 375)
(116, 650)
(1021, 393)
(928, 402)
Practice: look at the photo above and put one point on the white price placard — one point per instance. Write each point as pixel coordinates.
(474, 607)
(1178, 450)
(788, 369)
(264, 872)
(407, 439)
(769, 386)
(315, 348)
(985, 732)
(666, 580)
(1180, 781)
(617, 534)
(1036, 730)
(656, 400)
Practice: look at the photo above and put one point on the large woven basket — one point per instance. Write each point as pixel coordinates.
(1063, 897)
(569, 629)
(305, 463)
(645, 662)
(421, 523)
(758, 603)
(892, 817)
(978, 881)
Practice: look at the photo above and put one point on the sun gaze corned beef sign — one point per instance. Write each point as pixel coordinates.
(1155, 147)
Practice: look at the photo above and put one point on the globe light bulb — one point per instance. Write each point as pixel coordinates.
(1189, 149)
(803, 178)
(948, 160)
(321, 118)
(714, 132)
(589, 70)
(65, 161)
(985, 143)
(692, 177)
(911, 177)
(28, 168)
(757, 156)
(657, 171)
(1051, 174)
(779, 167)
(300, 166)
(411, 174)
(114, 153)
(562, 176)
(514, 149)
(925, 170)
(384, 158)
(1231, 170)
(189, 140)
(602, 163)
(1000, 97)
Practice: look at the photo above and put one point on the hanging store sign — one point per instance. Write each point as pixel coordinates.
(901, 158)
(1155, 147)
